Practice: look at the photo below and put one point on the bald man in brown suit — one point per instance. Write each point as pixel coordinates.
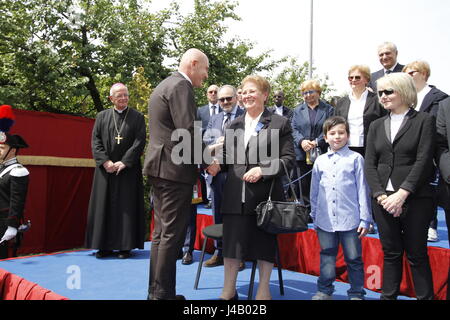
(172, 107)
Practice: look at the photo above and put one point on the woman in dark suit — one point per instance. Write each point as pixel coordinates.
(359, 108)
(399, 154)
(428, 98)
(254, 144)
(307, 123)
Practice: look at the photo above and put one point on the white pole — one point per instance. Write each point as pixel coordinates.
(311, 40)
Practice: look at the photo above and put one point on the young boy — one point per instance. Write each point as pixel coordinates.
(340, 209)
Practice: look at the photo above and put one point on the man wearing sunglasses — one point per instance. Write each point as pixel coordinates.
(387, 54)
(214, 137)
(279, 108)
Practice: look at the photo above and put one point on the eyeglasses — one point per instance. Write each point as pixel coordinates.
(305, 93)
(212, 91)
(386, 92)
(279, 97)
(229, 99)
(121, 96)
(412, 72)
(352, 78)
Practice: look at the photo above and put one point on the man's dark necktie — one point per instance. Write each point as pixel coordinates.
(227, 121)
(388, 72)
(213, 110)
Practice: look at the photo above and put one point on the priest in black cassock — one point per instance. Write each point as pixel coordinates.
(116, 207)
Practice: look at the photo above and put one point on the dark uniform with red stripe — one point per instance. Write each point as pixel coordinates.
(13, 193)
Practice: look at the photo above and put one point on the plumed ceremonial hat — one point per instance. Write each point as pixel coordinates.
(7, 120)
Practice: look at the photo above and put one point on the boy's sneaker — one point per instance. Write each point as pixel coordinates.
(322, 296)
(433, 235)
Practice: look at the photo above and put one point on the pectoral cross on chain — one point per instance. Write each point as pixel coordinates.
(118, 138)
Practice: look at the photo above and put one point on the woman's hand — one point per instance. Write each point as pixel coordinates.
(393, 203)
(308, 145)
(253, 175)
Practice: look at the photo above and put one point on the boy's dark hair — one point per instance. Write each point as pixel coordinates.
(334, 121)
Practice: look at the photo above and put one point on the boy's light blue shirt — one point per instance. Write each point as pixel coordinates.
(340, 197)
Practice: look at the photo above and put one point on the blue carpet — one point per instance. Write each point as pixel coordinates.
(80, 276)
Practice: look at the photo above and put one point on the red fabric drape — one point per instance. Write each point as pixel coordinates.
(13, 287)
(58, 196)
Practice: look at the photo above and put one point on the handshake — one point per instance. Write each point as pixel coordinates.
(114, 167)
(214, 168)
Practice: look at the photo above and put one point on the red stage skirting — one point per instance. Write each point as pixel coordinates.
(13, 287)
(61, 170)
(301, 253)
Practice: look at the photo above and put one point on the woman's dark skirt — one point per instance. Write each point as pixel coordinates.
(243, 240)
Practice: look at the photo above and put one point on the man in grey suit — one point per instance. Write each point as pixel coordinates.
(214, 137)
(172, 109)
(387, 54)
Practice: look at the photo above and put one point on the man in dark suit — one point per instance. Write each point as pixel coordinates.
(172, 107)
(387, 54)
(214, 136)
(443, 159)
(279, 108)
(207, 111)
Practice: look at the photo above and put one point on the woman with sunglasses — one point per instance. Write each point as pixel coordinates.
(360, 107)
(307, 123)
(399, 154)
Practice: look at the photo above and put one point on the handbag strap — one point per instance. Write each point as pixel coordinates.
(290, 183)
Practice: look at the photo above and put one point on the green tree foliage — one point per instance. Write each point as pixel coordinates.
(205, 28)
(62, 56)
(289, 79)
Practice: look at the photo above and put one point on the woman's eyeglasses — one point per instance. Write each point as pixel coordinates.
(305, 93)
(228, 99)
(353, 78)
(386, 92)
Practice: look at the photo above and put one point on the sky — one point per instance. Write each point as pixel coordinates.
(346, 32)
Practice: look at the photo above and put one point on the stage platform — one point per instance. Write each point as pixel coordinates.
(78, 275)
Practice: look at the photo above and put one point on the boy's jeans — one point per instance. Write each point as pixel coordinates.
(351, 245)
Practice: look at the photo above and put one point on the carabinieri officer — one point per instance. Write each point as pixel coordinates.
(13, 181)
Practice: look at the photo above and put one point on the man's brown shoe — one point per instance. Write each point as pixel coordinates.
(214, 261)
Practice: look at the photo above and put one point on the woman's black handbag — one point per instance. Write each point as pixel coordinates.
(281, 216)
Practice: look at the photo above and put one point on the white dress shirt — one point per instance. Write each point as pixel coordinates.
(250, 130)
(355, 119)
(421, 95)
(396, 122)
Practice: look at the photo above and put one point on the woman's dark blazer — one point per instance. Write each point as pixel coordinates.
(373, 110)
(239, 160)
(303, 129)
(408, 161)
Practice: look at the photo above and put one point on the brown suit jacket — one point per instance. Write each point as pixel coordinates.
(171, 107)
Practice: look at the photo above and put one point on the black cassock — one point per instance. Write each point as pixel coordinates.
(116, 206)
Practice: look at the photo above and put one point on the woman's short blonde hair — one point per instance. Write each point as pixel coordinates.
(365, 70)
(311, 85)
(403, 84)
(419, 65)
(261, 83)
